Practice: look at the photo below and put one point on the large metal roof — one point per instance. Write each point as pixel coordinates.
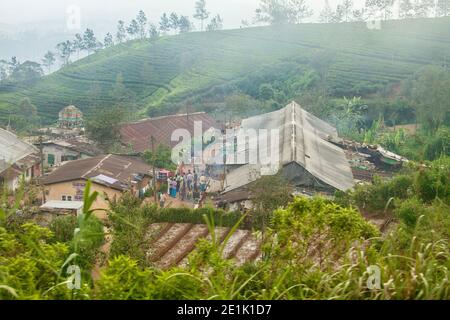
(303, 139)
(12, 149)
(138, 134)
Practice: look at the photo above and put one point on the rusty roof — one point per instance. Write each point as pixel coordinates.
(110, 170)
(138, 134)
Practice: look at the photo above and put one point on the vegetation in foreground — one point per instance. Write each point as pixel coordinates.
(312, 249)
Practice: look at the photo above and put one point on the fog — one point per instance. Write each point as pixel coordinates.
(17, 12)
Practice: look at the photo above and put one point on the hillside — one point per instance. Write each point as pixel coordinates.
(160, 74)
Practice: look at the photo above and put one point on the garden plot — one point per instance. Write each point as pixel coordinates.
(183, 247)
(161, 246)
(171, 243)
(249, 251)
(221, 233)
(235, 242)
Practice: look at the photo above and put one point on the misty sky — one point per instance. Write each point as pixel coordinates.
(16, 12)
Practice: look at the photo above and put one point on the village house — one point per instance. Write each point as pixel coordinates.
(111, 176)
(18, 160)
(137, 135)
(56, 152)
(308, 158)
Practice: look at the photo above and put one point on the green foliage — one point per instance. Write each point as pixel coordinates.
(103, 126)
(196, 216)
(63, 227)
(162, 158)
(217, 59)
(32, 265)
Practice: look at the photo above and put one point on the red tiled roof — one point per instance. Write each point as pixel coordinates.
(138, 134)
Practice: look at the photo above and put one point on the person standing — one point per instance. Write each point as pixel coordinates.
(195, 180)
(190, 179)
(162, 200)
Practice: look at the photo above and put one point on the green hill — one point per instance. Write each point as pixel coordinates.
(161, 74)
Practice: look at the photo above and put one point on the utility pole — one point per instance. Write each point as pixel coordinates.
(41, 153)
(224, 151)
(154, 170)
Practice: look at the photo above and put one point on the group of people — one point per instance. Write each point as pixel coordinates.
(186, 186)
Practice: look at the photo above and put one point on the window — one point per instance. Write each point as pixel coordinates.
(69, 198)
(64, 198)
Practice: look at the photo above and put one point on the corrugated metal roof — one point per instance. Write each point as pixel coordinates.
(303, 138)
(138, 134)
(12, 149)
(116, 171)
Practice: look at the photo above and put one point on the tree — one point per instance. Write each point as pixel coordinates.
(65, 51)
(326, 15)
(103, 126)
(200, 12)
(268, 194)
(432, 97)
(406, 9)
(282, 11)
(78, 44)
(347, 9)
(443, 8)
(164, 24)
(121, 33)
(162, 159)
(215, 24)
(90, 41)
(300, 10)
(184, 24)
(153, 32)
(4, 69)
(383, 7)
(422, 8)
(49, 60)
(142, 24)
(133, 29)
(174, 21)
(108, 42)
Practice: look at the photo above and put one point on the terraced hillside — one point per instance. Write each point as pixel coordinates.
(170, 244)
(159, 74)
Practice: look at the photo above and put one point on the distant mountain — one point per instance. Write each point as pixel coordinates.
(30, 41)
(161, 75)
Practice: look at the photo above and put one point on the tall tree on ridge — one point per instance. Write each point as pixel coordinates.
(215, 24)
(406, 9)
(347, 10)
(200, 12)
(108, 42)
(153, 32)
(382, 7)
(164, 24)
(174, 21)
(121, 33)
(65, 50)
(300, 10)
(184, 24)
(142, 24)
(326, 15)
(443, 8)
(133, 29)
(90, 41)
(49, 60)
(78, 44)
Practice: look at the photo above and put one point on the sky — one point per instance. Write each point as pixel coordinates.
(19, 12)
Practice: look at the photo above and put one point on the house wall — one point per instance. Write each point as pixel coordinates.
(58, 152)
(75, 190)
